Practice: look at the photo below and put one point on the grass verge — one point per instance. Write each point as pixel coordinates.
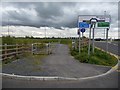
(99, 57)
(9, 60)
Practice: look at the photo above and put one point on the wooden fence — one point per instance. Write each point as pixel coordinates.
(8, 51)
(83, 42)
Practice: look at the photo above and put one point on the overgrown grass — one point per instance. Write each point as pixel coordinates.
(10, 59)
(36, 59)
(99, 57)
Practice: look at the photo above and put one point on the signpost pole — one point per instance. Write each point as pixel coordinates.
(104, 29)
(89, 41)
(79, 34)
(93, 39)
(79, 42)
(107, 39)
(82, 35)
(82, 41)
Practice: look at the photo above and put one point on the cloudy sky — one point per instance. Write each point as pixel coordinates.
(56, 18)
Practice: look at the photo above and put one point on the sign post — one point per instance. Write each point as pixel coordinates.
(79, 35)
(93, 39)
(107, 39)
(79, 39)
(82, 25)
(92, 22)
(89, 40)
(82, 30)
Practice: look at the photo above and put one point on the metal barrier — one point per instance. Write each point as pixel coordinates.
(41, 48)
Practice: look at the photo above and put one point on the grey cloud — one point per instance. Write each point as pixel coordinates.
(51, 13)
(46, 10)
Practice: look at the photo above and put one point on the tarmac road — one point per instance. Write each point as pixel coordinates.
(108, 81)
(112, 47)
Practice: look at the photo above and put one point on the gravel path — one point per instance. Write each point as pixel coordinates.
(60, 63)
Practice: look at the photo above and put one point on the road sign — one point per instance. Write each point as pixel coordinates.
(83, 25)
(103, 24)
(103, 21)
(82, 30)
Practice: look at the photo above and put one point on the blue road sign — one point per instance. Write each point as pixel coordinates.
(82, 30)
(83, 25)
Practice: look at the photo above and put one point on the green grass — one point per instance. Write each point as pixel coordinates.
(99, 57)
(36, 59)
(12, 40)
(9, 60)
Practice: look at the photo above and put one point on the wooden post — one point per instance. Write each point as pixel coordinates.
(48, 48)
(5, 51)
(16, 49)
(22, 48)
(32, 49)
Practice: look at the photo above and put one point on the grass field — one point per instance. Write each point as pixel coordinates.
(99, 57)
(12, 40)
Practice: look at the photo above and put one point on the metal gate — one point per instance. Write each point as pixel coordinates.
(42, 48)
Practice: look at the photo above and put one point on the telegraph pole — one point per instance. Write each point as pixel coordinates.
(45, 32)
(8, 27)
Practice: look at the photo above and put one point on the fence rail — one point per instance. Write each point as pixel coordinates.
(8, 51)
(83, 42)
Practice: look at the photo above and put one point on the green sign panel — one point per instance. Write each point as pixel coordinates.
(103, 24)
